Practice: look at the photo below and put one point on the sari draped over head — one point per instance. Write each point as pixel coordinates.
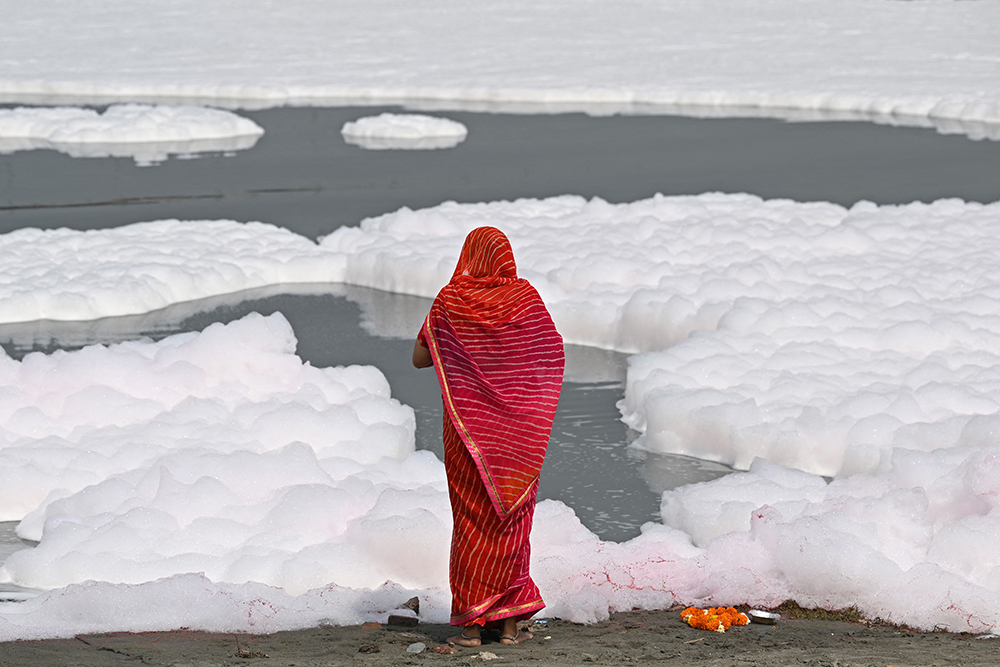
(499, 360)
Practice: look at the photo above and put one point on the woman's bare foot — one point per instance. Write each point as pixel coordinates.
(468, 637)
(516, 638)
(511, 635)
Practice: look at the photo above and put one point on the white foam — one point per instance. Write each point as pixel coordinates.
(851, 57)
(390, 131)
(148, 134)
(812, 335)
(71, 420)
(65, 274)
(858, 342)
(911, 545)
(94, 607)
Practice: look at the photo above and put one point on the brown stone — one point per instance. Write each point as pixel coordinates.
(407, 621)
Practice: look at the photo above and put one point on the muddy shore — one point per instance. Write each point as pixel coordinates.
(644, 637)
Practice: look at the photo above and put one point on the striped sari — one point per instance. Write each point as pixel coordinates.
(499, 360)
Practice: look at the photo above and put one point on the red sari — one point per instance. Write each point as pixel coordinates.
(499, 360)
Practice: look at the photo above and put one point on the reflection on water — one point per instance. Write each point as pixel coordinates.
(403, 143)
(613, 488)
(9, 543)
(145, 153)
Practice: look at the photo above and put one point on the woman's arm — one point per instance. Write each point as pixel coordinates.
(421, 356)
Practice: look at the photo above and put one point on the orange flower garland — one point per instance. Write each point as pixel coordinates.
(718, 619)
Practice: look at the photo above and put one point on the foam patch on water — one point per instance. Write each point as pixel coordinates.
(811, 335)
(148, 134)
(70, 420)
(390, 131)
(64, 274)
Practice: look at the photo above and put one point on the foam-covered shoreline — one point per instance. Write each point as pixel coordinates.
(856, 342)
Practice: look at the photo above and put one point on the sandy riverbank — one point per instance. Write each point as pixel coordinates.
(657, 637)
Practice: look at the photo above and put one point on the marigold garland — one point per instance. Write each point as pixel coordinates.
(717, 619)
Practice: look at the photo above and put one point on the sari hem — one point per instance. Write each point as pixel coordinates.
(520, 612)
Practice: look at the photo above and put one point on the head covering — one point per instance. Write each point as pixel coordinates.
(499, 360)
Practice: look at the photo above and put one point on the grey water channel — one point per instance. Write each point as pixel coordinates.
(303, 176)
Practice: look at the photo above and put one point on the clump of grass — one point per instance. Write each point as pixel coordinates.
(792, 609)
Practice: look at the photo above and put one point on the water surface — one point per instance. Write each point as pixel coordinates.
(302, 175)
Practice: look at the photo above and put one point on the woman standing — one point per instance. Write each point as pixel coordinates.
(499, 360)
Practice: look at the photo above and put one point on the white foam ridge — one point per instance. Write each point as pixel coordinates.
(65, 274)
(146, 133)
(904, 61)
(392, 131)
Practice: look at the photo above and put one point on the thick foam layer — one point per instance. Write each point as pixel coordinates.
(64, 274)
(70, 420)
(878, 59)
(811, 335)
(828, 339)
(808, 334)
(148, 134)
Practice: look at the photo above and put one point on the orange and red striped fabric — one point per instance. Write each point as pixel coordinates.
(499, 360)
(488, 570)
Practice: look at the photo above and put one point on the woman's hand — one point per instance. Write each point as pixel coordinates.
(421, 356)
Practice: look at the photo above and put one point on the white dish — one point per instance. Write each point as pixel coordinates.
(758, 616)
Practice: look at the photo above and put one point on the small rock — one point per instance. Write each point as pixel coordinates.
(414, 604)
(416, 648)
(372, 626)
(408, 621)
(369, 648)
(446, 650)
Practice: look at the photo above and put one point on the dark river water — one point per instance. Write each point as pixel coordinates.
(302, 175)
